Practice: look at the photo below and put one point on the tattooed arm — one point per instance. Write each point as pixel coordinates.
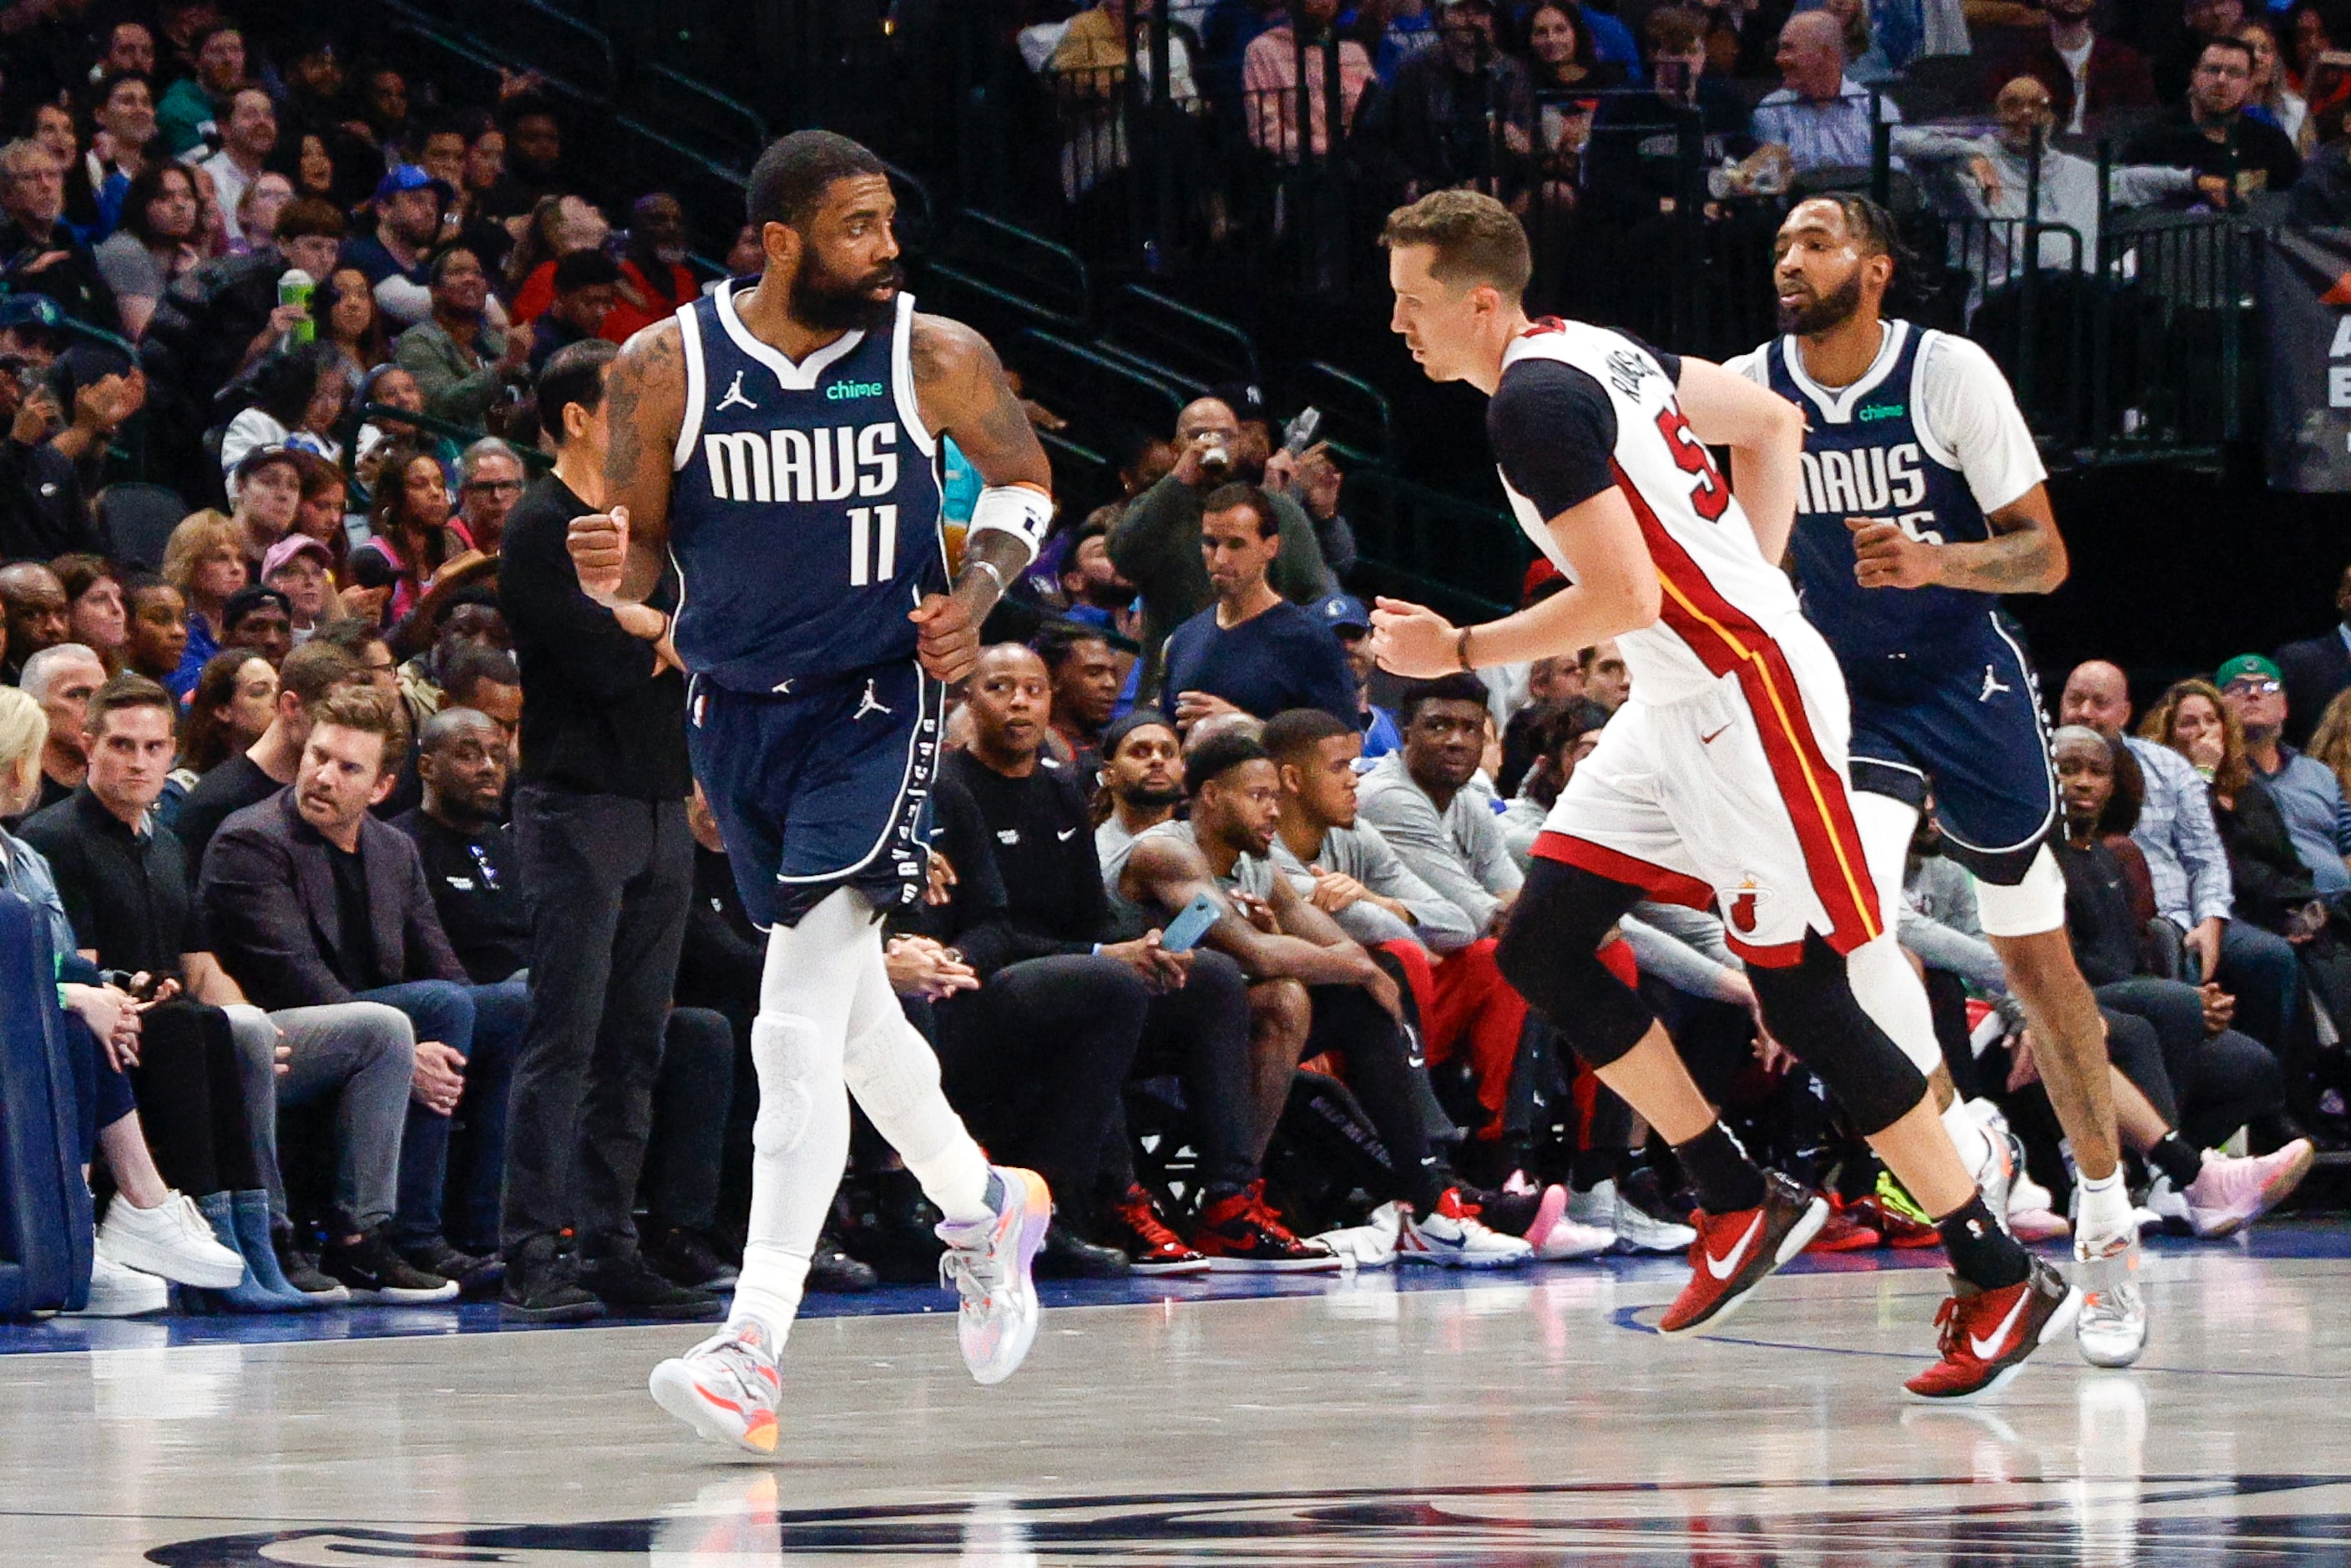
(2024, 555)
(963, 391)
(618, 551)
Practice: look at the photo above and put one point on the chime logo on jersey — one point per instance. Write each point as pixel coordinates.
(1864, 481)
(828, 464)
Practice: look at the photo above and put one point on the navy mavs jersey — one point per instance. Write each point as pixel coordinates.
(804, 513)
(804, 522)
(1942, 693)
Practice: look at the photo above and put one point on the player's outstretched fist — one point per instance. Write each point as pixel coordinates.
(947, 642)
(598, 544)
(1413, 640)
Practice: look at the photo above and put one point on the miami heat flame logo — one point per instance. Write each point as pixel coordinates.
(1740, 907)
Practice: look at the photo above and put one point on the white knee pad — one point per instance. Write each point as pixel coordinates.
(1888, 990)
(2033, 906)
(790, 1057)
(892, 1070)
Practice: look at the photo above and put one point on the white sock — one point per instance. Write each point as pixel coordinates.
(1968, 1137)
(2102, 1215)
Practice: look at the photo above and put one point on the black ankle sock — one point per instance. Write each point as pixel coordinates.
(2174, 1158)
(1981, 1253)
(1725, 1179)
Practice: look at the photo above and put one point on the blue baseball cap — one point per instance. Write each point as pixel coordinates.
(1343, 610)
(409, 177)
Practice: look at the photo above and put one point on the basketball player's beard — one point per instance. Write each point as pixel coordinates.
(1153, 799)
(821, 300)
(1826, 312)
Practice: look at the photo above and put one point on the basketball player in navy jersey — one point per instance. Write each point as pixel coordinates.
(1720, 781)
(777, 442)
(1921, 502)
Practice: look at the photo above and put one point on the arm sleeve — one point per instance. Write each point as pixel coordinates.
(1973, 414)
(1140, 538)
(255, 925)
(1439, 926)
(1940, 947)
(2144, 184)
(2196, 841)
(1554, 434)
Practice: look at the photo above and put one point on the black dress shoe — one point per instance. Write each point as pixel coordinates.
(630, 1289)
(687, 1256)
(1066, 1255)
(836, 1273)
(540, 1288)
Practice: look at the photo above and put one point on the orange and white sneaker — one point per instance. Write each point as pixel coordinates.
(988, 1264)
(726, 1388)
(1986, 1334)
(1736, 1251)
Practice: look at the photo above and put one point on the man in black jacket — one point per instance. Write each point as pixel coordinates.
(310, 900)
(599, 820)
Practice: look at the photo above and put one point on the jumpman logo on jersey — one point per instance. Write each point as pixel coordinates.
(1993, 686)
(733, 398)
(870, 704)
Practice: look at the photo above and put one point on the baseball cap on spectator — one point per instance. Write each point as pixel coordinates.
(250, 598)
(82, 364)
(410, 177)
(1341, 611)
(1246, 399)
(291, 546)
(261, 458)
(2244, 665)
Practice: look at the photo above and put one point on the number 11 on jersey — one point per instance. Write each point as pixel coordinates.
(873, 545)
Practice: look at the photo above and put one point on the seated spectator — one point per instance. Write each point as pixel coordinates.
(1269, 83)
(233, 702)
(490, 480)
(2189, 866)
(155, 246)
(1607, 680)
(205, 560)
(2212, 134)
(1462, 112)
(1155, 542)
(1252, 651)
(1422, 801)
(267, 490)
(302, 569)
(1344, 617)
(43, 255)
(191, 113)
(655, 280)
(51, 458)
(559, 227)
(587, 283)
(122, 879)
(298, 402)
(1353, 1004)
(1550, 684)
(259, 770)
(148, 1224)
(2307, 793)
(2088, 75)
(63, 679)
(260, 619)
(1562, 736)
(156, 635)
(1561, 52)
(534, 157)
(1029, 916)
(95, 615)
(394, 253)
(1086, 674)
(248, 137)
(2317, 668)
(122, 121)
(257, 210)
(33, 604)
(326, 493)
(1142, 787)
(312, 901)
(1819, 117)
(349, 324)
(409, 529)
(1094, 593)
(2198, 23)
(462, 362)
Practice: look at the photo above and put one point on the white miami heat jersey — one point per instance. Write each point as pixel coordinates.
(1720, 597)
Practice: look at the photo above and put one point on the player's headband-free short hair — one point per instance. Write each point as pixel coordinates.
(1476, 240)
(1296, 731)
(1217, 756)
(1458, 687)
(788, 183)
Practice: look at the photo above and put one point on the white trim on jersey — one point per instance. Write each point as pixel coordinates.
(800, 377)
(1929, 442)
(1836, 407)
(901, 380)
(697, 388)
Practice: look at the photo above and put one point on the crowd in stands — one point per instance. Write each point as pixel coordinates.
(403, 960)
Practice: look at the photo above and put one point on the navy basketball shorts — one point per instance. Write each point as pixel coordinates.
(1964, 726)
(820, 787)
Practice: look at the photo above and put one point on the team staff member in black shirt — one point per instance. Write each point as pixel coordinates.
(599, 820)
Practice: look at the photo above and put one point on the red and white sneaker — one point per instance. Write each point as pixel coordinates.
(1734, 1252)
(1844, 1231)
(726, 1388)
(1241, 1233)
(1986, 1334)
(1145, 1238)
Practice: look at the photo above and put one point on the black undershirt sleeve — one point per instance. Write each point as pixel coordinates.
(1554, 431)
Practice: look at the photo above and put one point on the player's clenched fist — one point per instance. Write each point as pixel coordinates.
(1413, 641)
(599, 551)
(1885, 557)
(947, 643)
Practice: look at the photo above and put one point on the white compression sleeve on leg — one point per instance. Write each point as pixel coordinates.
(1968, 1137)
(1883, 981)
(895, 1074)
(2030, 907)
(801, 1139)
